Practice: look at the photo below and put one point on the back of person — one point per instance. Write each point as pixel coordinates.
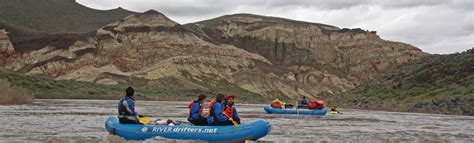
(216, 108)
(195, 111)
(126, 108)
(303, 103)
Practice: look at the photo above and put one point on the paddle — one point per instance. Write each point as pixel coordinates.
(235, 123)
(296, 103)
(144, 120)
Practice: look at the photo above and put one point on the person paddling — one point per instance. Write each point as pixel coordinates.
(126, 108)
(216, 107)
(334, 109)
(230, 110)
(303, 103)
(196, 116)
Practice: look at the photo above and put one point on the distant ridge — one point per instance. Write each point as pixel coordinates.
(57, 16)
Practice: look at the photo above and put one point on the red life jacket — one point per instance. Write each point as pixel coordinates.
(276, 104)
(190, 106)
(315, 104)
(229, 111)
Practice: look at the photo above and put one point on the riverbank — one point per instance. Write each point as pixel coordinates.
(46, 88)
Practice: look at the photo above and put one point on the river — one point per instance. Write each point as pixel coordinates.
(83, 121)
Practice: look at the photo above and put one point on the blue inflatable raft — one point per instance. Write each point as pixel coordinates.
(248, 131)
(272, 110)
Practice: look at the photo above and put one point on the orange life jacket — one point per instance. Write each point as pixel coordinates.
(211, 104)
(190, 106)
(229, 111)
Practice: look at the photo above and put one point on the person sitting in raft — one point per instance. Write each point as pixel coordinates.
(303, 103)
(167, 122)
(230, 110)
(126, 108)
(196, 116)
(334, 109)
(216, 107)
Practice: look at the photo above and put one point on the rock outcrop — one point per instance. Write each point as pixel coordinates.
(7, 52)
(5, 44)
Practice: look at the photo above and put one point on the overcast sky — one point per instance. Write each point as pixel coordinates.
(435, 26)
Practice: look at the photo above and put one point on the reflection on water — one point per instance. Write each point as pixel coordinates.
(83, 121)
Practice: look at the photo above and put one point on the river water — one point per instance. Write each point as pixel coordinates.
(83, 121)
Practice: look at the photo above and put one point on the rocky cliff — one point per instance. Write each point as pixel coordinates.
(269, 56)
(320, 59)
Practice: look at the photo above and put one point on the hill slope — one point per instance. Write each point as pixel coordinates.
(57, 16)
(435, 84)
(255, 55)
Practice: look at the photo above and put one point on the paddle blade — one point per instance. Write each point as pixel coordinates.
(144, 120)
(235, 124)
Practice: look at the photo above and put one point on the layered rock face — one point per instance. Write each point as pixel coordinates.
(270, 56)
(316, 55)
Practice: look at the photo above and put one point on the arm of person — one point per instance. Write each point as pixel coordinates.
(218, 113)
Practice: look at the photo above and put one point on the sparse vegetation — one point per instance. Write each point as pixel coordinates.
(13, 94)
(57, 16)
(437, 84)
(162, 89)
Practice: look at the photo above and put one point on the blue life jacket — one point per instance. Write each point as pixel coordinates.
(303, 102)
(126, 106)
(195, 111)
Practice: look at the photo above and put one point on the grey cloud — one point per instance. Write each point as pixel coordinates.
(318, 3)
(412, 3)
(435, 26)
(192, 11)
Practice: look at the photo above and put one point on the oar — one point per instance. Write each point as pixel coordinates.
(144, 120)
(235, 123)
(296, 104)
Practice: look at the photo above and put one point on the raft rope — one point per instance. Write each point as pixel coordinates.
(235, 129)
